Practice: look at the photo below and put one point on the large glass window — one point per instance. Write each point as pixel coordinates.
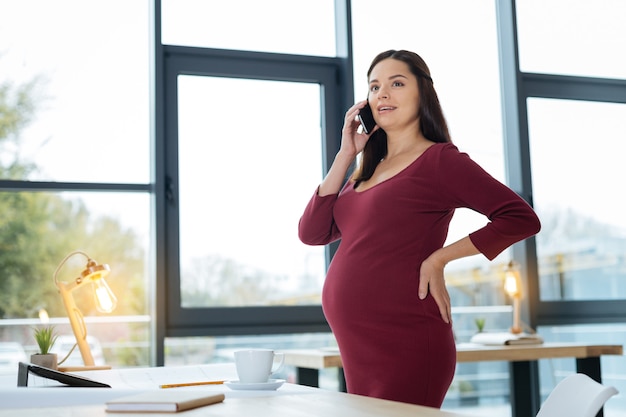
(572, 37)
(75, 143)
(574, 156)
(38, 230)
(246, 138)
(249, 161)
(283, 26)
(87, 75)
(577, 169)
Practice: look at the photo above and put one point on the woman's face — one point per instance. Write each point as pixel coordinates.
(393, 94)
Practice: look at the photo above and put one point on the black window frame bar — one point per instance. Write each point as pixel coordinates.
(333, 74)
(517, 88)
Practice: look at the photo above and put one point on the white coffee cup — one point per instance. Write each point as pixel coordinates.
(256, 365)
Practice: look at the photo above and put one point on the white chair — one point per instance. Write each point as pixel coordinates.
(576, 396)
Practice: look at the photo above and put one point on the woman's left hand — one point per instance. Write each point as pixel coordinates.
(432, 280)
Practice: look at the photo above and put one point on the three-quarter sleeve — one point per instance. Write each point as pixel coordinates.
(317, 225)
(511, 219)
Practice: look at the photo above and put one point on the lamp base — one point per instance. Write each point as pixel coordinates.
(83, 368)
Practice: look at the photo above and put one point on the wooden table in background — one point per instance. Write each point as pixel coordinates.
(525, 397)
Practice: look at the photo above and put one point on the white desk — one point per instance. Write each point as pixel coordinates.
(290, 400)
(320, 403)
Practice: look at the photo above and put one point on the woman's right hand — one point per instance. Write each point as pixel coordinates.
(353, 139)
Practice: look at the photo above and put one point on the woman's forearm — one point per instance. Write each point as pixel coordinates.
(336, 175)
(457, 250)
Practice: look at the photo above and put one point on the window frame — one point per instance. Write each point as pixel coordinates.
(517, 88)
(333, 74)
(585, 89)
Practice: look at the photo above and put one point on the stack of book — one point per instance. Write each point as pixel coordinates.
(505, 338)
(162, 401)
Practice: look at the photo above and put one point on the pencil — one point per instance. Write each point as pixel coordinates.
(191, 384)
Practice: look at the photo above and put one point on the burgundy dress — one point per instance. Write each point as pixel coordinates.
(394, 345)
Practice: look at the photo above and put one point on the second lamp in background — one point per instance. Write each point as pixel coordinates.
(512, 286)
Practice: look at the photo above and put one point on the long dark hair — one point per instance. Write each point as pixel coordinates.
(432, 121)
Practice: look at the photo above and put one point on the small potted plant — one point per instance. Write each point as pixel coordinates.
(480, 324)
(45, 338)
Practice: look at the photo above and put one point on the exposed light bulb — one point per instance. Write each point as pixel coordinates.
(510, 284)
(105, 299)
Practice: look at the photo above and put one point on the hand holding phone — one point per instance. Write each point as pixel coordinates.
(367, 119)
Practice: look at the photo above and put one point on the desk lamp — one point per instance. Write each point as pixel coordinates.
(94, 274)
(512, 286)
(516, 334)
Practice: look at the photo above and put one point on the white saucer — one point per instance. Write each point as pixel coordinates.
(271, 385)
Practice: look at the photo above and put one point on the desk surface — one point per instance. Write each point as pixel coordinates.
(290, 400)
(315, 404)
(469, 352)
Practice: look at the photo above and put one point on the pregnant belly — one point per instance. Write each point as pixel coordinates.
(368, 291)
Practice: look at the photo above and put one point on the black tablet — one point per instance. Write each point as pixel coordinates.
(62, 377)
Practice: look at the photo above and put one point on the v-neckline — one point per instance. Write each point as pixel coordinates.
(413, 162)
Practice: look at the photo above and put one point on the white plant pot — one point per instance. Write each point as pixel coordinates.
(49, 360)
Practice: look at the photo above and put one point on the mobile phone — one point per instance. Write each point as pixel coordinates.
(367, 119)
